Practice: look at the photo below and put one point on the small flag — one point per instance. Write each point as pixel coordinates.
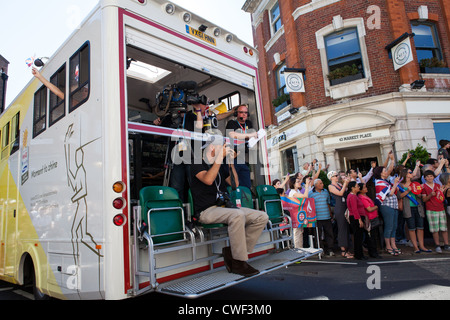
(77, 73)
(29, 61)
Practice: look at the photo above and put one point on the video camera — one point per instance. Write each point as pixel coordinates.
(175, 98)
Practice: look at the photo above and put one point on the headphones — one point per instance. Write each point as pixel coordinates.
(235, 113)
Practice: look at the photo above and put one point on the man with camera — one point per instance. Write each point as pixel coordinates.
(212, 205)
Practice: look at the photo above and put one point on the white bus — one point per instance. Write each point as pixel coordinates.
(73, 167)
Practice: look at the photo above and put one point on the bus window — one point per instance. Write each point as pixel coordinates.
(5, 140)
(15, 133)
(57, 110)
(40, 111)
(231, 100)
(79, 77)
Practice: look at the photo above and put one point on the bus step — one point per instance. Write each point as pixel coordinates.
(214, 280)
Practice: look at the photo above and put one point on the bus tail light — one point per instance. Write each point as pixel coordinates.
(119, 220)
(119, 203)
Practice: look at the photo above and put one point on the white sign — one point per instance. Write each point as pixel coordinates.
(402, 54)
(287, 135)
(356, 137)
(294, 82)
(284, 116)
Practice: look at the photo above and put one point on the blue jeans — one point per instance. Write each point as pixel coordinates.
(243, 172)
(390, 219)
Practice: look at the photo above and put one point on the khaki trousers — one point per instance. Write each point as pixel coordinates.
(244, 227)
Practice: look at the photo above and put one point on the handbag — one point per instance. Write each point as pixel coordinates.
(375, 222)
(347, 215)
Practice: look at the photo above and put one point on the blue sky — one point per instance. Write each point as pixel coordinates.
(38, 28)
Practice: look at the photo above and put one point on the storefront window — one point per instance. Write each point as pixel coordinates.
(289, 160)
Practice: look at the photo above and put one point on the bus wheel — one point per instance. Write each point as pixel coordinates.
(30, 280)
(38, 295)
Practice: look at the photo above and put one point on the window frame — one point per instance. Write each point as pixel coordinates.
(41, 90)
(351, 88)
(284, 159)
(59, 102)
(6, 130)
(336, 34)
(81, 75)
(281, 89)
(228, 99)
(15, 133)
(437, 50)
(276, 20)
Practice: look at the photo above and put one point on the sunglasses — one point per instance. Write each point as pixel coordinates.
(246, 112)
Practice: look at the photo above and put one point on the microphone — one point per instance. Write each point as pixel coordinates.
(241, 118)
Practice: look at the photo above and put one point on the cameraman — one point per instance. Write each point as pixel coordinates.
(209, 191)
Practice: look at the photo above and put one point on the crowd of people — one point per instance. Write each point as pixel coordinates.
(391, 204)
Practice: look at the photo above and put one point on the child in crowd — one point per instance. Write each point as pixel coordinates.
(435, 211)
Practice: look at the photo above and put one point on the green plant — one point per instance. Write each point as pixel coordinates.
(281, 99)
(419, 153)
(338, 73)
(432, 63)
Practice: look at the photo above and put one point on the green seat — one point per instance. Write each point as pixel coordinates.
(206, 226)
(242, 193)
(162, 211)
(270, 202)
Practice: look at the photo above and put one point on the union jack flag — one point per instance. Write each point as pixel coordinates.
(382, 189)
(29, 61)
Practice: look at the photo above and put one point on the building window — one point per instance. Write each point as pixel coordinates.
(79, 77)
(289, 160)
(344, 59)
(275, 18)
(40, 111)
(281, 82)
(426, 41)
(57, 107)
(344, 56)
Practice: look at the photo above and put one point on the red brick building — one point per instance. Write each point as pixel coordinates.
(356, 104)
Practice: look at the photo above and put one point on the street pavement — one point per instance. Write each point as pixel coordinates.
(409, 276)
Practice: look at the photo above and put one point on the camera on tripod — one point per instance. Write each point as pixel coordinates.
(175, 98)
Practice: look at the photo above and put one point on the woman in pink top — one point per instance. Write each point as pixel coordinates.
(356, 213)
(371, 213)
